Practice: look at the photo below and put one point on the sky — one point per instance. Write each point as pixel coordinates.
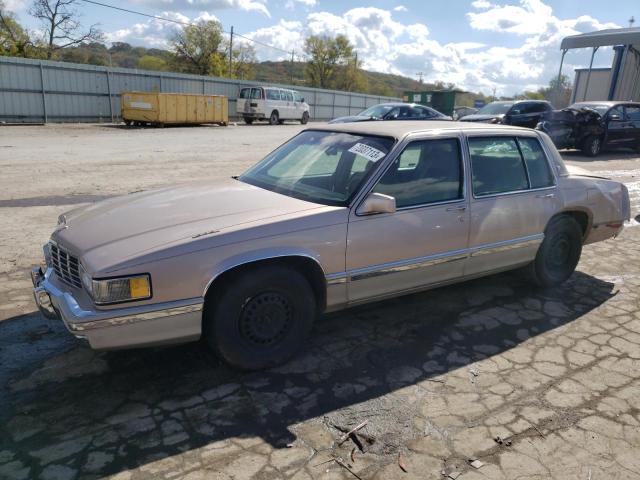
(480, 45)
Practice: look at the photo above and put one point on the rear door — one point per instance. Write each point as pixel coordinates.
(633, 117)
(513, 197)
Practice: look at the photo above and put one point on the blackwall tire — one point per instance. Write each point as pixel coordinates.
(559, 252)
(260, 318)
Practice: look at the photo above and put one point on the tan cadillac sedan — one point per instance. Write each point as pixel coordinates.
(337, 216)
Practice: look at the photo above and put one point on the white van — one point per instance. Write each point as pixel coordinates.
(273, 104)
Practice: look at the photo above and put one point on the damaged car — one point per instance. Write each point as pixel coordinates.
(339, 215)
(594, 126)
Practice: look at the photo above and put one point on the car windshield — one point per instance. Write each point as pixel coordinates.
(495, 108)
(319, 166)
(598, 107)
(377, 111)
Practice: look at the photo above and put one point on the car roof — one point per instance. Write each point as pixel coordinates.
(406, 127)
(607, 103)
(399, 104)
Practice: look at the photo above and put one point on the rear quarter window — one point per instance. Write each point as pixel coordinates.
(536, 161)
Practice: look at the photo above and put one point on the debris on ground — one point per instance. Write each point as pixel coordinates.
(341, 462)
(401, 463)
(453, 475)
(502, 441)
(475, 463)
(353, 455)
(346, 436)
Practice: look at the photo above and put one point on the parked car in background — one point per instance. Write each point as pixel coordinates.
(519, 113)
(337, 216)
(394, 111)
(593, 126)
(271, 103)
(459, 112)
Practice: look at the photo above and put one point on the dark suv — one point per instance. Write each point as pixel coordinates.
(520, 113)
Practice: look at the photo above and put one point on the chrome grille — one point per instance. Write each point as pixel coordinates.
(65, 265)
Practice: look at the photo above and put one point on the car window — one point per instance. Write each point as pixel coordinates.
(245, 93)
(256, 93)
(633, 114)
(536, 162)
(421, 112)
(297, 97)
(318, 166)
(289, 95)
(273, 94)
(619, 111)
(537, 108)
(496, 166)
(435, 177)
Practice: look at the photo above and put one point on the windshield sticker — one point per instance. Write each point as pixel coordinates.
(368, 152)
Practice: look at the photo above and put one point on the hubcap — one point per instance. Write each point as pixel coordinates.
(265, 318)
(595, 146)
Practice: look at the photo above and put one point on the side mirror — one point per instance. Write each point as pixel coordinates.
(377, 203)
(302, 100)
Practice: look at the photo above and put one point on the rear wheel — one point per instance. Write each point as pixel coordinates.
(274, 119)
(592, 146)
(559, 252)
(260, 318)
(248, 120)
(305, 118)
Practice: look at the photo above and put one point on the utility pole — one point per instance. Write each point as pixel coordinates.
(631, 21)
(231, 53)
(420, 77)
(292, 52)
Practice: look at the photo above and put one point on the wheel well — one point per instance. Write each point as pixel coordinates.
(581, 217)
(276, 111)
(304, 265)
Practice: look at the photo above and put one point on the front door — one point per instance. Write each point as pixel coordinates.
(424, 242)
(618, 127)
(514, 196)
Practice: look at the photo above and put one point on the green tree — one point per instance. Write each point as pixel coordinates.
(244, 59)
(326, 56)
(149, 62)
(61, 27)
(200, 47)
(14, 40)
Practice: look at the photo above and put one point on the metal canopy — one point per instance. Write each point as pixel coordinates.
(602, 38)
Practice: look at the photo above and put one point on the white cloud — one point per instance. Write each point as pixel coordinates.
(181, 5)
(153, 32)
(524, 55)
(400, 8)
(15, 5)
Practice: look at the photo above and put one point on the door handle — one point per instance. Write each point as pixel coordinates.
(548, 195)
(459, 208)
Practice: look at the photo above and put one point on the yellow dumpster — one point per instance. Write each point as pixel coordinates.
(139, 108)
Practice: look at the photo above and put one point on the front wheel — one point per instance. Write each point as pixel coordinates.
(274, 119)
(305, 118)
(592, 146)
(559, 252)
(261, 318)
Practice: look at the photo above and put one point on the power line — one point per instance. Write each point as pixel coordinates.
(187, 24)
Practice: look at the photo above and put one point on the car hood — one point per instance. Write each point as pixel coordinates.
(352, 118)
(479, 117)
(126, 226)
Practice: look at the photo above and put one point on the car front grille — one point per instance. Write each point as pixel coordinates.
(65, 265)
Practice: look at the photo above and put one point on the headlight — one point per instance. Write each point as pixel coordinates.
(117, 290)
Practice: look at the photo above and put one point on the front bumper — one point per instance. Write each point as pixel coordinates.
(143, 325)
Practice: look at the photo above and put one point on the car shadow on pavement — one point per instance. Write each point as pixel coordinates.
(66, 405)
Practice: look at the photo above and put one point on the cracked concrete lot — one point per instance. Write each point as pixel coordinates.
(531, 384)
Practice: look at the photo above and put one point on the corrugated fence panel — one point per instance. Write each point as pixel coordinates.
(42, 90)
